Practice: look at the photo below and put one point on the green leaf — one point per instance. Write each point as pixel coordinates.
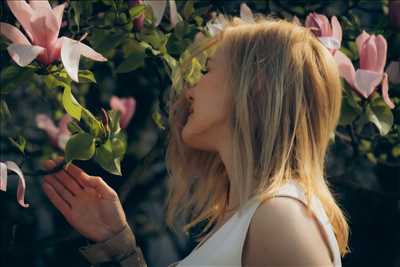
(80, 146)
(73, 108)
(380, 115)
(74, 128)
(19, 143)
(105, 157)
(114, 121)
(136, 11)
(188, 9)
(5, 114)
(86, 76)
(349, 111)
(77, 12)
(14, 77)
(134, 61)
(52, 82)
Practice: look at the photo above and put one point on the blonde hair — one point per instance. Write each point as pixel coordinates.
(286, 105)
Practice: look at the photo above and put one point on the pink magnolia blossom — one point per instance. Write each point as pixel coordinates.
(42, 25)
(159, 7)
(126, 106)
(330, 34)
(217, 23)
(372, 51)
(12, 166)
(58, 135)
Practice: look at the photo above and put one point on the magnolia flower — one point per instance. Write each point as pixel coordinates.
(138, 21)
(372, 50)
(42, 25)
(330, 34)
(218, 22)
(126, 106)
(159, 7)
(58, 135)
(393, 72)
(10, 165)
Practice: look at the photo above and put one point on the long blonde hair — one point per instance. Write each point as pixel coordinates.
(286, 104)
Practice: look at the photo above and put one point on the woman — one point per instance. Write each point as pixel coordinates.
(253, 134)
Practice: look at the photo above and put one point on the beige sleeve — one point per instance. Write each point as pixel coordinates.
(121, 249)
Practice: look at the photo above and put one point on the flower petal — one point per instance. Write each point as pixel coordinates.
(360, 40)
(45, 123)
(58, 12)
(393, 71)
(13, 34)
(346, 68)
(367, 81)
(126, 106)
(246, 14)
(21, 183)
(369, 54)
(24, 54)
(23, 12)
(381, 46)
(385, 91)
(296, 21)
(330, 42)
(36, 4)
(336, 29)
(173, 13)
(45, 27)
(3, 177)
(71, 52)
(158, 9)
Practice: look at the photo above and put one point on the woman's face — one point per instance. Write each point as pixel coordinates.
(210, 98)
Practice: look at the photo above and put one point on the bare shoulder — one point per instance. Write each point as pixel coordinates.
(281, 233)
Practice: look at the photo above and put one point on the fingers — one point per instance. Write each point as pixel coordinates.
(61, 190)
(101, 187)
(69, 182)
(55, 198)
(80, 176)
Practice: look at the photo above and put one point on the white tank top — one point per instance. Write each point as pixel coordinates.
(224, 247)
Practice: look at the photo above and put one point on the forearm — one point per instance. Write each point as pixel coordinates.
(120, 250)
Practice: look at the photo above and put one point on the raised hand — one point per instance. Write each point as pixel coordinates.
(87, 202)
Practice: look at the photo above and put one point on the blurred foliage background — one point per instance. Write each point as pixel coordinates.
(363, 162)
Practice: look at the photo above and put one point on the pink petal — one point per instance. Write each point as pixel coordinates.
(126, 106)
(21, 183)
(296, 20)
(158, 9)
(13, 34)
(45, 123)
(393, 71)
(346, 68)
(36, 4)
(246, 14)
(63, 123)
(45, 27)
(173, 13)
(71, 52)
(24, 54)
(3, 177)
(58, 12)
(336, 29)
(369, 54)
(23, 12)
(361, 39)
(367, 81)
(330, 42)
(320, 22)
(385, 91)
(381, 46)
